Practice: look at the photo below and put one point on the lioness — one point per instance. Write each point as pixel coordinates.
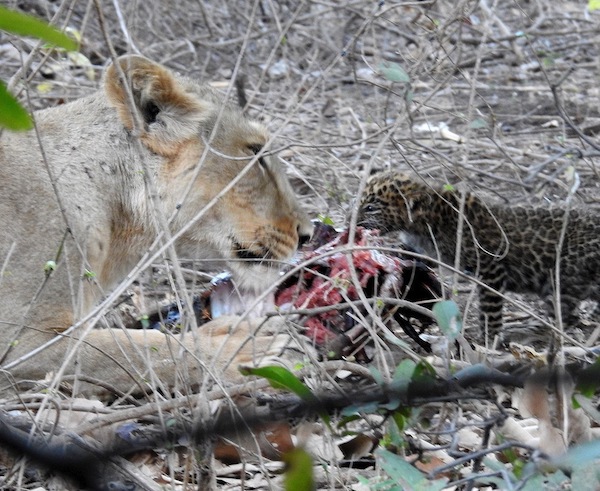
(78, 196)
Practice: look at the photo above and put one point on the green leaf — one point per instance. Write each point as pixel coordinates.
(400, 419)
(540, 481)
(26, 25)
(363, 407)
(405, 474)
(377, 375)
(398, 468)
(583, 478)
(298, 471)
(447, 315)
(402, 377)
(345, 420)
(394, 72)
(281, 378)
(390, 337)
(425, 377)
(579, 455)
(505, 479)
(511, 456)
(588, 379)
(478, 123)
(424, 369)
(593, 5)
(388, 485)
(325, 219)
(12, 115)
(583, 402)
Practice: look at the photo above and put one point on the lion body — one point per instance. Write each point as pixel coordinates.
(81, 196)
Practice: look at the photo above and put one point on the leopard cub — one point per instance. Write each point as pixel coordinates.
(510, 248)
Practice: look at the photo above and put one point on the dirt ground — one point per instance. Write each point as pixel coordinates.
(503, 97)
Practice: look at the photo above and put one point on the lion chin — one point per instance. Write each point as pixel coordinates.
(90, 198)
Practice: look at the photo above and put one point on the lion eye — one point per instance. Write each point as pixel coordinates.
(256, 149)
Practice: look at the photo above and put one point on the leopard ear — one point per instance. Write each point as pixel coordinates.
(168, 113)
(417, 205)
(419, 200)
(411, 208)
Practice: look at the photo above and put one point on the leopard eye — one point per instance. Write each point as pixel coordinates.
(256, 149)
(369, 208)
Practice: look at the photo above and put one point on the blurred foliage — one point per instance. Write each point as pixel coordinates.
(12, 114)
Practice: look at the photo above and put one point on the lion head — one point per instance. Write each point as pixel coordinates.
(224, 195)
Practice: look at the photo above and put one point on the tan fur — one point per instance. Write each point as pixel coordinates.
(103, 220)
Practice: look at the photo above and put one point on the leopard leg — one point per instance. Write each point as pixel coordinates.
(595, 296)
(570, 299)
(490, 303)
(490, 316)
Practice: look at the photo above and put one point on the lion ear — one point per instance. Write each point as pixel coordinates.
(168, 113)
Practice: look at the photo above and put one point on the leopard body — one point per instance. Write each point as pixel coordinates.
(508, 247)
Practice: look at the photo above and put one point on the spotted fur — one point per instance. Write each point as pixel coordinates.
(510, 248)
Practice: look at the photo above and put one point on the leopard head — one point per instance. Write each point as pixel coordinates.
(392, 201)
